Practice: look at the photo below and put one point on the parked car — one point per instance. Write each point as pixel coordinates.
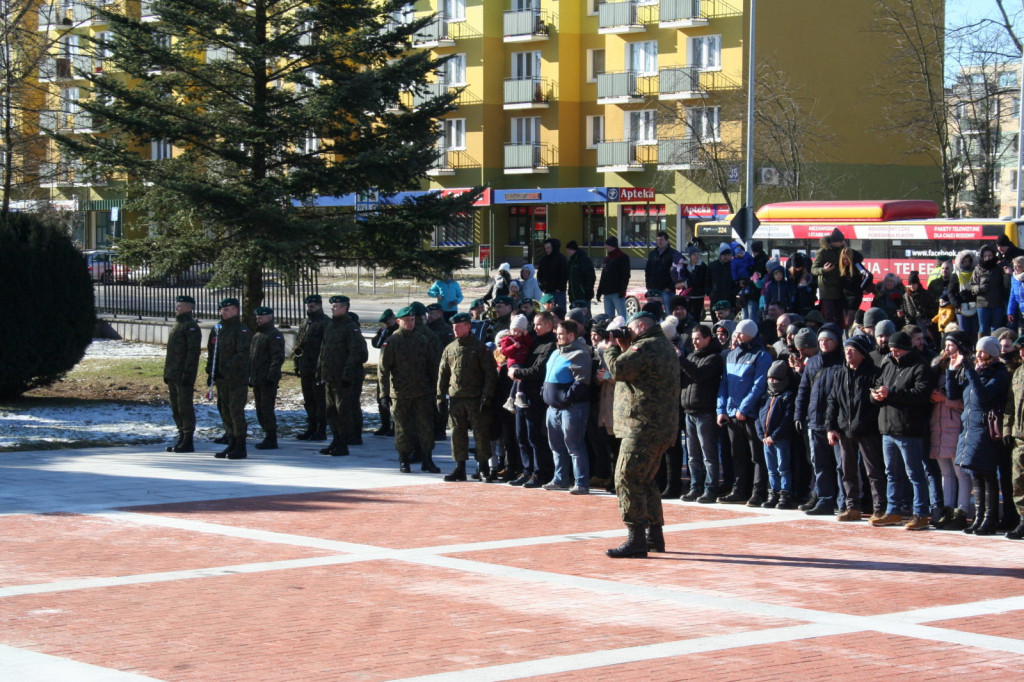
(104, 268)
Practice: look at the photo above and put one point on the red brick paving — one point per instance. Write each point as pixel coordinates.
(1009, 624)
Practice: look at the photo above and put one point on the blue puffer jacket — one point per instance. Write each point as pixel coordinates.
(775, 417)
(983, 391)
(1015, 305)
(745, 379)
(815, 388)
(567, 376)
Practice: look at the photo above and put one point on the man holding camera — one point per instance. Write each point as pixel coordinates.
(647, 420)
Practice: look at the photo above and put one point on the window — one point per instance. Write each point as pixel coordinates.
(311, 144)
(642, 126)
(453, 133)
(159, 150)
(592, 6)
(523, 5)
(642, 57)
(706, 52)
(525, 65)
(1015, 107)
(640, 223)
(455, 70)
(526, 130)
(595, 131)
(454, 10)
(593, 225)
(595, 64)
(703, 123)
(68, 108)
(103, 51)
(1008, 79)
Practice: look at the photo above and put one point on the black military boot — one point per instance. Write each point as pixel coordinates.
(310, 430)
(385, 421)
(339, 450)
(177, 443)
(269, 441)
(224, 453)
(1017, 533)
(428, 463)
(403, 463)
(185, 445)
(483, 472)
(457, 474)
(786, 500)
(978, 491)
(320, 433)
(335, 442)
(223, 440)
(635, 546)
(655, 539)
(239, 451)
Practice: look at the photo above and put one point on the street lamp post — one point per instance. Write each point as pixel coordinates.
(748, 220)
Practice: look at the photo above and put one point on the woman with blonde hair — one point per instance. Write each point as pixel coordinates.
(854, 279)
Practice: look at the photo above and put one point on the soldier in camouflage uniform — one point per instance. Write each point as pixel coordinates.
(467, 376)
(388, 324)
(305, 354)
(647, 420)
(266, 356)
(361, 348)
(338, 367)
(227, 361)
(184, 344)
(1013, 431)
(410, 383)
(443, 331)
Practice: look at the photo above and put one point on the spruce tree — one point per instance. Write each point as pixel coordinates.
(270, 103)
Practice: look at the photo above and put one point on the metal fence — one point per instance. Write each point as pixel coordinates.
(138, 296)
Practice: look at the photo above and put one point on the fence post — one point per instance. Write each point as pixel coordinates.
(358, 280)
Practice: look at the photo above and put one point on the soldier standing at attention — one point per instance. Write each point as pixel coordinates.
(389, 323)
(440, 327)
(361, 349)
(184, 344)
(409, 383)
(467, 376)
(338, 367)
(266, 356)
(305, 355)
(228, 364)
(646, 419)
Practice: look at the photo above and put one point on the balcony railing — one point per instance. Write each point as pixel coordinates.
(443, 163)
(622, 153)
(678, 154)
(525, 91)
(681, 82)
(430, 91)
(682, 12)
(524, 156)
(619, 85)
(433, 33)
(526, 23)
(618, 15)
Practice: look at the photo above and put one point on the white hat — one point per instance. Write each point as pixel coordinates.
(990, 345)
(668, 325)
(616, 323)
(504, 266)
(747, 328)
(500, 335)
(520, 322)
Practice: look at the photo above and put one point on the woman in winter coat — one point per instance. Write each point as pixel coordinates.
(499, 285)
(528, 287)
(854, 280)
(947, 411)
(985, 383)
(988, 289)
(889, 297)
(960, 293)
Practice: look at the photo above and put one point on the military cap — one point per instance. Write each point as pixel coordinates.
(814, 316)
(407, 311)
(388, 312)
(461, 317)
(229, 301)
(417, 308)
(433, 306)
(721, 305)
(478, 303)
(505, 300)
(547, 298)
(642, 314)
(185, 299)
(339, 299)
(524, 301)
(264, 310)
(313, 298)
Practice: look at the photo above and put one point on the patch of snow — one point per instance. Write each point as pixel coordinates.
(113, 348)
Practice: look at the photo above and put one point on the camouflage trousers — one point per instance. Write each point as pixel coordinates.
(414, 424)
(182, 408)
(635, 485)
(342, 402)
(1017, 477)
(231, 405)
(465, 415)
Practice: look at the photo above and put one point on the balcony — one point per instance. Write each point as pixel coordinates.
(526, 93)
(681, 83)
(67, 173)
(620, 87)
(434, 34)
(525, 26)
(619, 17)
(975, 125)
(430, 91)
(525, 158)
(681, 14)
(444, 163)
(681, 154)
(619, 156)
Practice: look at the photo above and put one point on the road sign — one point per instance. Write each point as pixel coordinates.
(367, 201)
(734, 175)
(485, 253)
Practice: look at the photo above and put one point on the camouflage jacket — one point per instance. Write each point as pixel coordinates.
(341, 353)
(266, 355)
(1013, 413)
(467, 370)
(184, 345)
(646, 388)
(309, 341)
(402, 373)
(229, 343)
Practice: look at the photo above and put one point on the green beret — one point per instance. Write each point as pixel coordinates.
(524, 301)
(339, 299)
(641, 314)
(417, 308)
(547, 298)
(721, 305)
(185, 299)
(407, 311)
(478, 303)
(432, 307)
(1019, 343)
(504, 300)
(313, 298)
(388, 312)
(264, 310)
(461, 317)
(229, 301)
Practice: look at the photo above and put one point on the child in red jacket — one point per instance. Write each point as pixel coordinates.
(516, 348)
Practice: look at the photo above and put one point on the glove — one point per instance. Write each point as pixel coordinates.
(799, 426)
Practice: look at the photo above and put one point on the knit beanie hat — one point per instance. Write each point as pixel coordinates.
(960, 340)
(805, 338)
(778, 376)
(859, 342)
(519, 322)
(747, 328)
(885, 328)
(831, 331)
(990, 345)
(668, 325)
(873, 316)
(902, 341)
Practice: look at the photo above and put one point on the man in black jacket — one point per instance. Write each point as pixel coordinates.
(700, 375)
(305, 355)
(658, 273)
(531, 421)
(852, 420)
(723, 288)
(816, 382)
(581, 274)
(553, 271)
(614, 279)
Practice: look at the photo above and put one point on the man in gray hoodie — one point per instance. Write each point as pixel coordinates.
(566, 392)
